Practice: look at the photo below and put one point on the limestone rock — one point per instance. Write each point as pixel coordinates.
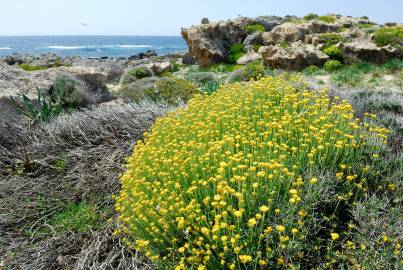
(249, 57)
(295, 57)
(358, 51)
(159, 68)
(209, 43)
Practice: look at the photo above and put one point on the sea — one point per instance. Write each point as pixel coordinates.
(90, 46)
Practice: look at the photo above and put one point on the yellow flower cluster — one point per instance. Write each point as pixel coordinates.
(221, 183)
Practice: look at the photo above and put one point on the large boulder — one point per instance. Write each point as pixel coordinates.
(286, 32)
(295, 57)
(161, 67)
(209, 43)
(249, 57)
(253, 39)
(363, 50)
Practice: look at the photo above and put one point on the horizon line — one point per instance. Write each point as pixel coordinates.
(88, 35)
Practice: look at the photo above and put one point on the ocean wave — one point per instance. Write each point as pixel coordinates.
(5, 48)
(60, 47)
(69, 47)
(134, 46)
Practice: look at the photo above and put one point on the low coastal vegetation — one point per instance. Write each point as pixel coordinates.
(235, 165)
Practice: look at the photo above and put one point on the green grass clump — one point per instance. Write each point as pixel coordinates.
(313, 70)
(334, 52)
(332, 65)
(61, 163)
(389, 36)
(393, 65)
(235, 52)
(253, 28)
(310, 16)
(326, 18)
(259, 175)
(79, 218)
(29, 68)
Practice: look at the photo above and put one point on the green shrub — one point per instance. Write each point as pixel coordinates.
(389, 36)
(330, 39)
(261, 175)
(252, 28)
(28, 67)
(326, 18)
(210, 86)
(139, 73)
(334, 53)
(332, 65)
(310, 16)
(175, 66)
(251, 71)
(171, 90)
(235, 52)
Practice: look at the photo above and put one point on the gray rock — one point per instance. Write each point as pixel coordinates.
(363, 50)
(295, 57)
(187, 59)
(249, 57)
(129, 76)
(253, 39)
(159, 68)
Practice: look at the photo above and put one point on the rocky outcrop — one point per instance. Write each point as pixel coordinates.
(295, 57)
(209, 43)
(367, 51)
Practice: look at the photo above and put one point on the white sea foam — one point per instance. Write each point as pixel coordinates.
(5, 48)
(69, 47)
(134, 46)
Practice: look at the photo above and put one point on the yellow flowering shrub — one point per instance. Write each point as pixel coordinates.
(246, 178)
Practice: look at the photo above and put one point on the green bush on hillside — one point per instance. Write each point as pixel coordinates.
(334, 53)
(330, 39)
(389, 36)
(332, 65)
(139, 72)
(252, 28)
(326, 18)
(235, 52)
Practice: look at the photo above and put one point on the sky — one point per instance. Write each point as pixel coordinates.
(166, 17)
